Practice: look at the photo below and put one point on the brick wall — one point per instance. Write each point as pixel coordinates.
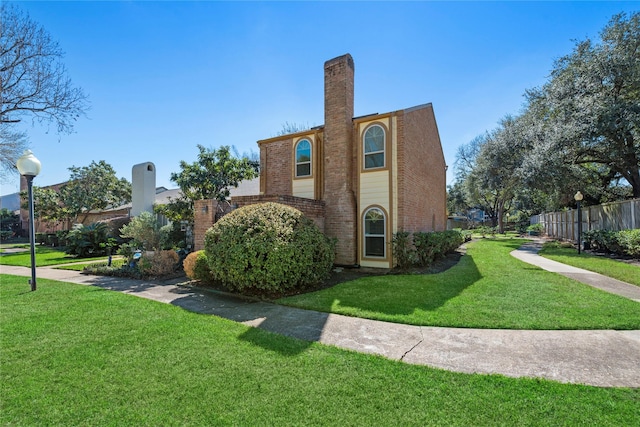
(422, 194)
(338, 159)
(276, 157)
(205, 211)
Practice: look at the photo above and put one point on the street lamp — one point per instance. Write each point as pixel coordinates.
(29, 167)
(579, 198)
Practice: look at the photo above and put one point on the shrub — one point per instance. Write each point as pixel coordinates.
(485, 229)
(602, 240)
(145, 232)
(436, 244)
(403, 250)
(427, 247)
(41, 238)
(88, 240)
(269, 247)
(196, 267)
(629, 242)
(159, 263)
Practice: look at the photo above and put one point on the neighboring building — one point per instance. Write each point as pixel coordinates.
(361, 179)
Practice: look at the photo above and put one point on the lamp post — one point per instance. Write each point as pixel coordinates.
(578, 197)
(29, 167)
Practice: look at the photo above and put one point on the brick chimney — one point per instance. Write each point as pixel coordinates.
(338, 194)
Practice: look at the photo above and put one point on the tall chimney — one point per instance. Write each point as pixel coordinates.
(338, 195)
(143, 188)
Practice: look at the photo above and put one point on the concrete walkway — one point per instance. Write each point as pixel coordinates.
(604, 358)
(529, 254)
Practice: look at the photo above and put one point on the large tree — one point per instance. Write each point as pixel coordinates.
(34, 81)
(93, 188)
(210, 177)
(12, 145)
(590, 107)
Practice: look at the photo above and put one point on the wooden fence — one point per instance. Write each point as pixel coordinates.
(613, 216)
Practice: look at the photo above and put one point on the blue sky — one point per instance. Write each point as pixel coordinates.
(163, 77)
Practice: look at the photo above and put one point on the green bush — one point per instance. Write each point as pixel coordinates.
(602, 240)
(403, 250)
(145, 232)
(196, 267)
(629, 242)
(88, 240)
(268, 247)
(485, 229)
(429, 246)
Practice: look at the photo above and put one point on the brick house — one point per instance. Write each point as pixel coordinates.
(361, 179)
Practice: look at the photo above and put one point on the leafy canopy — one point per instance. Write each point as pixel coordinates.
(93, 187)
(210, 177)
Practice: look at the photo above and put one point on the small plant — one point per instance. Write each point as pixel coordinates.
(196, 267)
(145, 232)
(535, 229)
(88, 240)
(159, 263)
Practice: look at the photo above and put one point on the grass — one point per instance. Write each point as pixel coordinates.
(488, 288)
(115, 263)
(606, 266)
(45, 256)
(79, 355)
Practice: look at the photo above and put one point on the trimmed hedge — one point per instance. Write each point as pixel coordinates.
(425, 247)
(268, 247)
(625, 242)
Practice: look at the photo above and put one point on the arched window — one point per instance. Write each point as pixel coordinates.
(374, 143)
(303, 158)
(374, 233)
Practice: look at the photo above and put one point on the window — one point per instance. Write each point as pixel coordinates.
(303, 158)
(374, 147)
(374, 233)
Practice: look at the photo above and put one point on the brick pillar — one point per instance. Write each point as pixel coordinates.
(338, 195)
(204, 213)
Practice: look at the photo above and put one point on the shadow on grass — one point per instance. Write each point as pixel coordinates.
(268, 321)
(403, 294)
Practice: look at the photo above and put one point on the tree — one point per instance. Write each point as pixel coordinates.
(456, 199)
(47, 206)
(591, 104)
(12, 145)
(93, 187)
(288, 128)
(34, 81)
(210, 177)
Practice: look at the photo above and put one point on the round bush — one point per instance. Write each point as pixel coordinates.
(196, 267)
(269, 247)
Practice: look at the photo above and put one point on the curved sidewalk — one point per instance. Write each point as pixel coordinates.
(529, 254)
(604, 358)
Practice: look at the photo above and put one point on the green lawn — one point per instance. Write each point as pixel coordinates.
(488, 288)
(609, 267)
(80, 355)
(45, 255)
